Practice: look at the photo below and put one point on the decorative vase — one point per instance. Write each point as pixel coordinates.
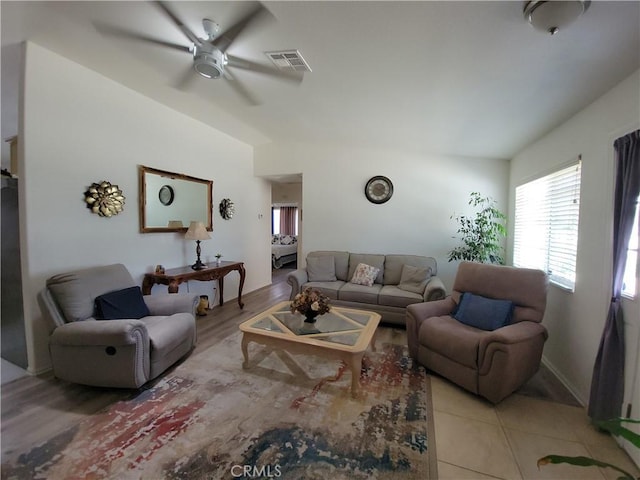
(203, 305)
(310, 316)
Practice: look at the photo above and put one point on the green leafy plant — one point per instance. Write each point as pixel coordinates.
(613, 426)
(480, 235)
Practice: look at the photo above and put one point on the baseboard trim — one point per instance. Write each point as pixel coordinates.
(564, 381)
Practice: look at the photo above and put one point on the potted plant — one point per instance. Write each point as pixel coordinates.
(218, 257)
(613, 426)
(482, 234)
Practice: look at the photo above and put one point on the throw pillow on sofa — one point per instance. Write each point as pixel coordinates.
(125, 303)
(321, 269)
(414, 279)
(483, 313)
(364, 275)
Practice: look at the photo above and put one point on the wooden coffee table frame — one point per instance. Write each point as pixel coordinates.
(313, 344)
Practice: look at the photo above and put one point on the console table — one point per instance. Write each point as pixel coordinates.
(173, 277)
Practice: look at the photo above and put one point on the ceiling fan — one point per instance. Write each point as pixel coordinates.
(210, 57)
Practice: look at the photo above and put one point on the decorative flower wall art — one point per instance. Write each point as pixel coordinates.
(227, 209)
(104, 199)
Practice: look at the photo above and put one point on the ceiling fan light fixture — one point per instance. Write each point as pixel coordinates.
(552, 16)
(209, 62)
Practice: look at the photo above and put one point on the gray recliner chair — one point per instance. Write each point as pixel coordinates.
(491, 363)
(122, 352)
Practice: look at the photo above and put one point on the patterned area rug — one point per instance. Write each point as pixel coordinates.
(287, 416)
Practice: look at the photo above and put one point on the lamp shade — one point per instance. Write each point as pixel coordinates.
(197, 231)
(551, 16)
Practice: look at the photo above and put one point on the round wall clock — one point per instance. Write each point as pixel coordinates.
(166, 195)
(378, 189)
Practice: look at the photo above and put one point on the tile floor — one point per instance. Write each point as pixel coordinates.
(477, 440)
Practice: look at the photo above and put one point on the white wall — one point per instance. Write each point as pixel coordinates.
(575, 320)
(79, 127)
(286, 193)
(428, 189)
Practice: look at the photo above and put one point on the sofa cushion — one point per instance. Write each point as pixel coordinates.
(341, 260)
(392, 296)
(330, 289)
(482, 312)
(120, 304)
(452, 339)
(352, 292)
(321, 269)
(376, 261)
(75, 292)
(393, 266)
(364, 275)
(526, 288)
(170, 338)
(414, 279)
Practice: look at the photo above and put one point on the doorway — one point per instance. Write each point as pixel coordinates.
(286, 225)
(14, 346)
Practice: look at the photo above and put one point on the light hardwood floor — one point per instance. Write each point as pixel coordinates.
(474, 439)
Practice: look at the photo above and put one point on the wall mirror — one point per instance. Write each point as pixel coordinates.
(169, 201)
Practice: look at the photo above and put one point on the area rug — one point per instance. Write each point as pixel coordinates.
(286, 416)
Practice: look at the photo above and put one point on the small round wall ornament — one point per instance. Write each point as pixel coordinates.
(104, 199)
(227, 209)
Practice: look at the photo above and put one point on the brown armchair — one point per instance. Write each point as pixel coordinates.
(495, 363)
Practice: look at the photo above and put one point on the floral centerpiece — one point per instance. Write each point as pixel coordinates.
(310, 303)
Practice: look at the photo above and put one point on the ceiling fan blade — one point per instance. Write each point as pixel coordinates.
(240, 88)
(186, 79)
(224, 39)
(183, 28)
(119, 32)
(237, 62)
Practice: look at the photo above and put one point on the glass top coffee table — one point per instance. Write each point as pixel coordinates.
(342, 334)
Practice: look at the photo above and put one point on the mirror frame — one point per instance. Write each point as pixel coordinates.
(142, 198)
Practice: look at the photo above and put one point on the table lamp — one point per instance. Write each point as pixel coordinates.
(197, 231)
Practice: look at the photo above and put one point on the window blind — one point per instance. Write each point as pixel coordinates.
(546, 225)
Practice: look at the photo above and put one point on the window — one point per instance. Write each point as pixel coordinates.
(630, 274)
(546, 225)
(276, 222)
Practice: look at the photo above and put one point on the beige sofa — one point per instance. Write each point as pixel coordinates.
(497, 358)
(388, 295)
(123, 352)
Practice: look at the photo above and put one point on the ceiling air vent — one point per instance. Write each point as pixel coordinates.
(289, 60)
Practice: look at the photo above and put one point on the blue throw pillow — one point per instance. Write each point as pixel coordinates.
(483, 313)
(126, 303)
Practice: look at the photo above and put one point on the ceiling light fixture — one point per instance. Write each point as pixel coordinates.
(551, 16)
(208, 60)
